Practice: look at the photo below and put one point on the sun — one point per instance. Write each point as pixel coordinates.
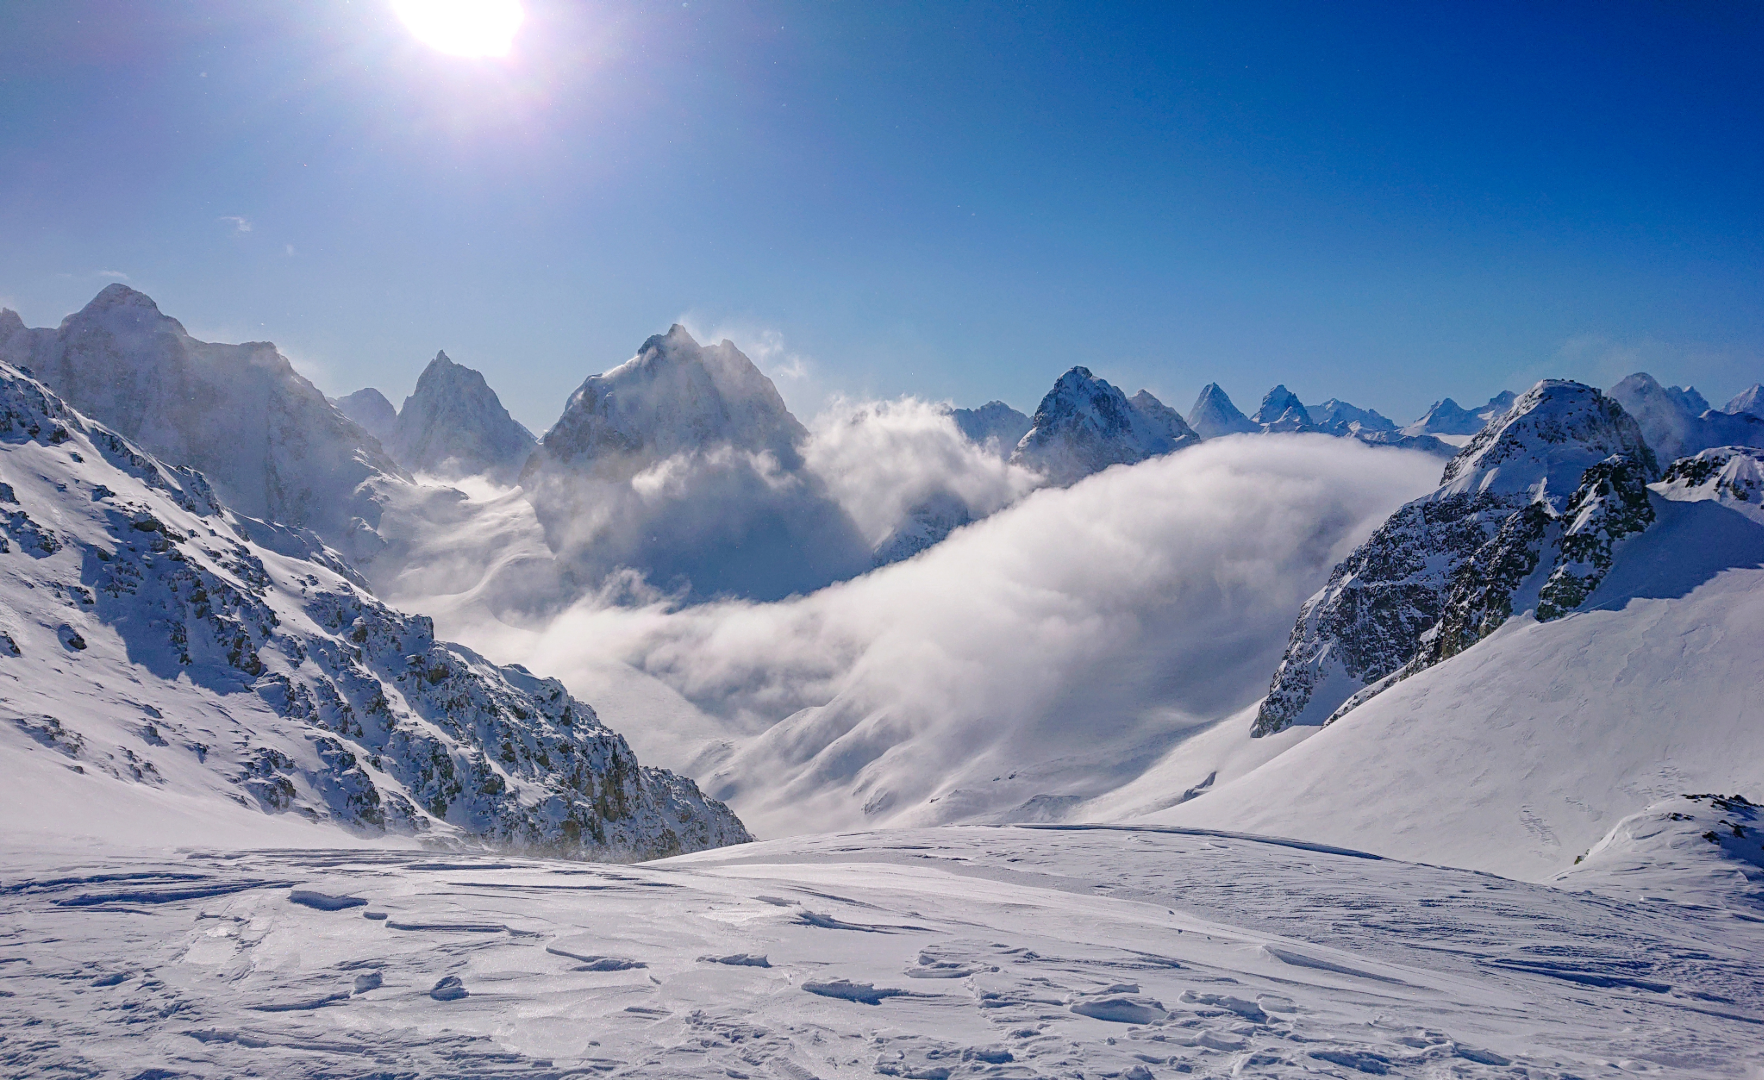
(463, 27)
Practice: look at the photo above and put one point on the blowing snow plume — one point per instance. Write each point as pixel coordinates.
(1043, 655)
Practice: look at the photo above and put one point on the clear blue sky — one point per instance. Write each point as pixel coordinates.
(1383, 202)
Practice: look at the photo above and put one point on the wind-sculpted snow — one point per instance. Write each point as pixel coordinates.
(1010, 952)
(158, 640)
(1564, 458)
(1084, 425)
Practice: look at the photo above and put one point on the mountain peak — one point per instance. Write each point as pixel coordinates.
(1281, 411)
(1553, 434)
(371, 412)
(454, 425)
(1678, 422)
(1749, 400)
(1084, 425)
(1214, 414)
(117, 295)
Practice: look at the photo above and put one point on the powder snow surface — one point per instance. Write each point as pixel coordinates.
(957, 952)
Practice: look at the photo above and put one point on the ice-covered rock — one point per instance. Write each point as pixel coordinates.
(1749, 401)
(994, 425)
(1732, 476)
(370, 409)
(684, 464)
(1677, 422)
(1281, 411)
(1084, 425)
(269, 440)
(1555, 480)
(1213, 415)
(158, 638)
(455, 426)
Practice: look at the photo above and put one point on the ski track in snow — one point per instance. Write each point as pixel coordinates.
(933, 953)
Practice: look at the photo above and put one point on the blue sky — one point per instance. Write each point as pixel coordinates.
(1382, 202)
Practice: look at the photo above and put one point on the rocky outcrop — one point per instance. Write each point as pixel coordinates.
(454, 426)
(274, 678)
(1085, 425)
(1552, 483)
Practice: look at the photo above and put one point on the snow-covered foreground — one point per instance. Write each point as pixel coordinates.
(1005, 951)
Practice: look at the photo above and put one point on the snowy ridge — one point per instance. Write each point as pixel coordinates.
(1083, 425)
(455, 426)
(1749, 401)
(153, 638)
(1447, 417)
(1678, 423)
(269, 440)
(1337, 417)
(1497, 498)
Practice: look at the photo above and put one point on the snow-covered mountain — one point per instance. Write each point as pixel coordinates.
(1560, 471)
(1213, 415)
(371, 412)
(684, 464)
(1447, 417)
(994, 425)
(1083, 425)
(1749, 401)
(1337, 417)
(155, 646)
(1281, 411)
(1677, 422)
(455, 426)
(269, 440)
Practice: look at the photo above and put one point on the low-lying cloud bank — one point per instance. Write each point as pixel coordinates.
(1045, 654)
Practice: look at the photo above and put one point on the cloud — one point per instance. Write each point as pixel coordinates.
(1050, 652)
(882, 460)
(240, 225)
(115, 275)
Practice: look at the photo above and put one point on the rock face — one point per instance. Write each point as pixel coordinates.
(272, 444)
(1213, 415)
(1749, 401)
(152, 635)
(1084, 425)
(1447, 417)
(1677, 422)
(455, 426)
(684, 464)
(1281, 411)
(994, 425)
(371, 411)
(1524, 517)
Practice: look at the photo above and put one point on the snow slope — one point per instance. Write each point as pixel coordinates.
(1749, 401)
(454, 426)
(941, 953)
(1084, 425)
(150, 638)
(1523, 751)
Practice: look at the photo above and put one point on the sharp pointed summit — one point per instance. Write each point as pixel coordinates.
(454, 426)
(1281, 411)
(1214, 415)
(1084, 425)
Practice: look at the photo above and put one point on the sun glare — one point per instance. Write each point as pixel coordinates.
(463, 27)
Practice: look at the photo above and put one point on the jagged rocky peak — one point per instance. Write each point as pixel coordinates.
(1281, 411)
(454, 426)
(160, 640)
(1677, 422)
(1214, 415)
(273, 445)
(370, 409)
(994, 425)
(1525, 517)
(674, 396)
(1085, 425)
(1447, 417)
(1749, 401)
(1337, 417)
